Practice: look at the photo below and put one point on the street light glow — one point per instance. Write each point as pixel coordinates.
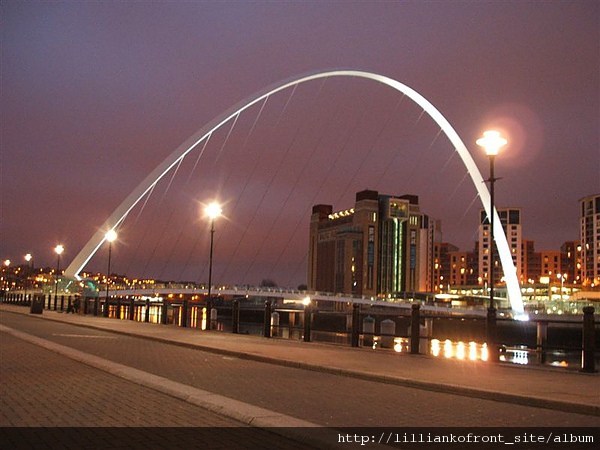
(213, 210)
(111, 236)
(491, 142)
(28, 257)
(59, 249)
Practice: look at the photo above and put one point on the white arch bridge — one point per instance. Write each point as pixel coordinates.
(510, 275)
(291, 295)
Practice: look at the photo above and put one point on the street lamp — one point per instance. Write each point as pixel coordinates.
(562, 277)
(212, 211)
(28, 258)
(6, 263)
(58, 249)
(492, 142)
(110, 237)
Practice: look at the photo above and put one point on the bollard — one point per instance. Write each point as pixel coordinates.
(37, 305)
(208, 309)
(132, 309)
(96, 302)
(307, 318)
(49, 302)
(388, 333)
(541, 341)
(589, 341)
(355, 324)
(275, 323)
(235, 317)
(55, 301)
(147, 312)
(267, 320)
(213, 319)
(415, 328)
(118, 312)
(69, 305)
(106, 310)
(368, 331)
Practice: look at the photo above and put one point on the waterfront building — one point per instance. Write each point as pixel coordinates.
(571, 251)
(441, 265)
(511, 222)
(381, 246)
(463, 268)
(589, 220)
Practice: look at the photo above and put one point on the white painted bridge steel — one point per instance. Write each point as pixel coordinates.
(293, 295)
(510, 274)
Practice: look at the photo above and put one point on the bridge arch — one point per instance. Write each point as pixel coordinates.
(510, 274)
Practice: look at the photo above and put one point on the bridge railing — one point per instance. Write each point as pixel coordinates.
(556, 340)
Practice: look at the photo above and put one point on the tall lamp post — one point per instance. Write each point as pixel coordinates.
(212, 211)
(29, 260)
(58, 249)
(492, 142)
(6, 266)
(562, 277)
(110, 236)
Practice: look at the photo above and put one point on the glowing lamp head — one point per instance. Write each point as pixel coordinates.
(28, 257)
(111, 236)
(213, 210)
(306, 301)
(492, 142)
(59, 249)
(7, 262)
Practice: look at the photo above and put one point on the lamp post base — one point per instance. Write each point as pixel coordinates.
(491, 334)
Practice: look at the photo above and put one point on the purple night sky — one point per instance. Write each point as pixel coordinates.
(94, 95)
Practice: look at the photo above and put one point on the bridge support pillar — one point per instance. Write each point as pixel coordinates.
(147, 313)
(589, 341)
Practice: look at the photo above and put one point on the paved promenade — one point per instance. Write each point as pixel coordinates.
(546, 387)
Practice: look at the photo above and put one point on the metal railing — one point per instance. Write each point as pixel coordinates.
(412, 331)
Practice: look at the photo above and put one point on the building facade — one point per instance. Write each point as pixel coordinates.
(571, 251)
(511, 223)
(589, 221)
(381, 246)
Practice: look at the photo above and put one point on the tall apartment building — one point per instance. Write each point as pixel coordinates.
(590, 239)
(463, 268)
(511, 222)
(571, 251)
(442, 265)
(531, 269)
(551, 264)
(383, 245)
